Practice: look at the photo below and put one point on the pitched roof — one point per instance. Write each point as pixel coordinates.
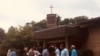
(50, 33)
(74, 30)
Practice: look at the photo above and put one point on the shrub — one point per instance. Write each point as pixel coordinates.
(85, 52)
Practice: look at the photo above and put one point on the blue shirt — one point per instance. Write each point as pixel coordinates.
(13, 53)
(74, 52)
(65, 52)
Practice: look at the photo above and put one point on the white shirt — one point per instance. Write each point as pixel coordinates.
(36, 53)
(9, 53)
(65, 52)
(57, 52)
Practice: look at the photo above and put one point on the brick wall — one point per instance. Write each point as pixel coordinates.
(93, 41)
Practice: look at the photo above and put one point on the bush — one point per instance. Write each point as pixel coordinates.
(85, 52)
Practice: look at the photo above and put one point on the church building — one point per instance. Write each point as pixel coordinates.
(83, 35)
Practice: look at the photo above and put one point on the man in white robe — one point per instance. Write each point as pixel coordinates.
(57, 51)
(64, 51)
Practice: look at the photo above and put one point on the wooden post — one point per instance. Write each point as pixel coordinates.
(44, 43)
(66, 41)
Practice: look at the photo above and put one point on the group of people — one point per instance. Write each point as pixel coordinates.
(26, 52)
(11, 52)
(62, 51)
(33, 52)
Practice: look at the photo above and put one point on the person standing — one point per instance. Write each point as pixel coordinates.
(9, 52)
(64, 51)
(45, 52)
(73, 52)
(57, 51)
(13, 52)
(36, 52)
(31, 52)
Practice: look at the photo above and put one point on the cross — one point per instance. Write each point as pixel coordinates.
(51, 8)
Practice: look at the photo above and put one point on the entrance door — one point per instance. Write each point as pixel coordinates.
(57, 44)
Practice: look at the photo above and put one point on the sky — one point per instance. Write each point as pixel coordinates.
(19, 12)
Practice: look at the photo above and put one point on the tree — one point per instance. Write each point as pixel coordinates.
(66, 21)
(58, 20)
(18, 38)
(80, 19)
(75, 20)
(2, 34)
(40, 25)
(72, 21)
(12, 32)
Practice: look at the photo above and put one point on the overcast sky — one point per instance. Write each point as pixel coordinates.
(18, 12)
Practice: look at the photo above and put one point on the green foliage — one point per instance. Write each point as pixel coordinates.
(66, 21)
(75, 20)
(85, 52)
(80, 19)
(2, 34)
(39, 25)
(18, 38)
(58, 20)
(21, 37)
